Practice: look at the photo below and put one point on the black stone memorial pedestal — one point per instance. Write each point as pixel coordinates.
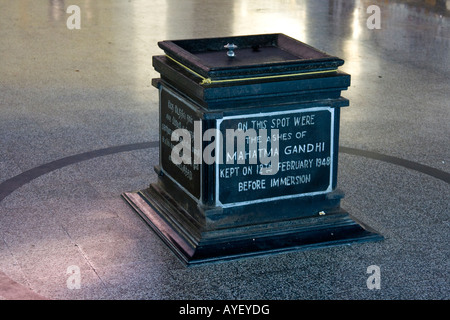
(249, 140)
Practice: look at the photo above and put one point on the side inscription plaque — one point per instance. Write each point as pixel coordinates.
(177, 113)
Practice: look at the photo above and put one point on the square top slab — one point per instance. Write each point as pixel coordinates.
(255, 56)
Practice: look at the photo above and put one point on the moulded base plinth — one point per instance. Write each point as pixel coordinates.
(197, 245)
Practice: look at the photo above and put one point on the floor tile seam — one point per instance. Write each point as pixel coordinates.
(17, 264)
(83, 254)
(24, 289)
(17, 291)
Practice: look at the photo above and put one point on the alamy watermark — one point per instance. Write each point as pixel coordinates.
(74, 20)
(189, 149)
(374, 20)
(74, 279)
(374, 280)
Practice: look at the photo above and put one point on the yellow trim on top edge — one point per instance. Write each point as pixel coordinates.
(209, 81)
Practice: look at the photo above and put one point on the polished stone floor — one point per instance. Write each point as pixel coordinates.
(78, 126)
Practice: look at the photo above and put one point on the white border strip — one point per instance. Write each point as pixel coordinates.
(255, 115)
